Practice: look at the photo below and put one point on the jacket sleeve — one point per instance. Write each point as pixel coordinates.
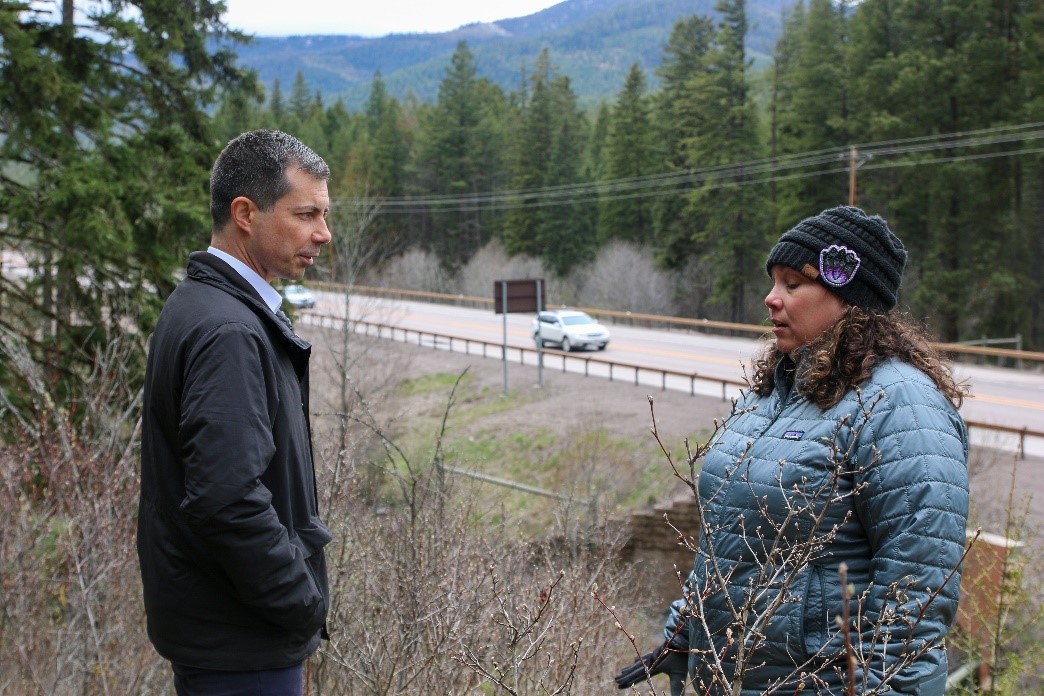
(913, 503)
(676, 629)
(228, 406)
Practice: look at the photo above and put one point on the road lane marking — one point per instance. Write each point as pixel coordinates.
(1006, 401)
(736, 362)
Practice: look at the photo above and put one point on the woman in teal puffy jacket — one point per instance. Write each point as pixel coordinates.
(834, 499)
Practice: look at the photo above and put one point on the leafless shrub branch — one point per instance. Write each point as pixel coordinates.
(72, 620)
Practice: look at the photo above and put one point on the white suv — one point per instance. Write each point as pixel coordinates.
(569, 329)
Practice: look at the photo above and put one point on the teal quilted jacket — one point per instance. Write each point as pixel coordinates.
(877, 484)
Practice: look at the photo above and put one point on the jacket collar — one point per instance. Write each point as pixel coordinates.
(787, 373)
(207, 268)
(270, 295)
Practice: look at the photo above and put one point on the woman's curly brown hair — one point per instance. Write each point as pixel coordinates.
(843, 357)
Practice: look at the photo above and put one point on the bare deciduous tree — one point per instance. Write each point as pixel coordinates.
(492, 263)
(436, 592)
(416, 269)
(625, 277)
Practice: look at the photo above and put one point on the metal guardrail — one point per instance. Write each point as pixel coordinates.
(668, 322)
(438, 340)
(1021, 433)
(446, 342)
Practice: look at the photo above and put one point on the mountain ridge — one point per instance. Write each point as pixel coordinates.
(593, 42)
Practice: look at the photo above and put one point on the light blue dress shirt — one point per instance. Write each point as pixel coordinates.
(269, 294)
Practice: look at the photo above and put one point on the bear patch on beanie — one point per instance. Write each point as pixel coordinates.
(855, 255)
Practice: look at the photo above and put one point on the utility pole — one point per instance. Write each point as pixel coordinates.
(853, 163)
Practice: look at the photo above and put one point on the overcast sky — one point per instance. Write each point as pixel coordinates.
(372, 18)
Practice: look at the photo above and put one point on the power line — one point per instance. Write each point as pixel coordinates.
(839, 169)
(702, 174)
(823, 162)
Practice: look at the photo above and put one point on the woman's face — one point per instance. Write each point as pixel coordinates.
(800, 308)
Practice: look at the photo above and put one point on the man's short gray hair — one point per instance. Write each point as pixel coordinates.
(254, 165)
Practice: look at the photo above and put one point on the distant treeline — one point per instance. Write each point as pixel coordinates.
(925, 113)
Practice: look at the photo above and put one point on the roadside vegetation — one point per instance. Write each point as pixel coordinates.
(442, 582)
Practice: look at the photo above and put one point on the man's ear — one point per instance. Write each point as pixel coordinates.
(243, 213)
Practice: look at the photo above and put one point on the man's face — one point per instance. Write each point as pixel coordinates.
(285, 240)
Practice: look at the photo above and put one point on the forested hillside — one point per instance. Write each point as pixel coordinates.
(593, 41)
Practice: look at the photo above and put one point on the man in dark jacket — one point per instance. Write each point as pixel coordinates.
(229, 536)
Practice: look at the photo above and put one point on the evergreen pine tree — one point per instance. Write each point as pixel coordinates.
(276, 106)
(300, 98)
(812, 106)
(459, 154)
(674, 126)
(729, 211)
(523, 233)
(543, 222)
(937, 68)
(594, 164)
(107, 144)
(568, 226)
(628, 155)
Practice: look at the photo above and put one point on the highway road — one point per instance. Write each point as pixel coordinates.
(1000, 396)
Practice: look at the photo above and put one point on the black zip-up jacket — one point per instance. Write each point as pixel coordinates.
(229, 536)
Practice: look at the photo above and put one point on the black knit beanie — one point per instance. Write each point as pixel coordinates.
(853, 254)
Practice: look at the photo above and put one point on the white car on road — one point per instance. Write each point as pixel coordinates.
(569, 329)
(299, 296)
